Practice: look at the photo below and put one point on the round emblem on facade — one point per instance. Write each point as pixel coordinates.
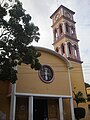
(46, 74)
(67, 15)
(57, 17)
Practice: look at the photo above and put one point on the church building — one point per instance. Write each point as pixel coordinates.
(47, 94)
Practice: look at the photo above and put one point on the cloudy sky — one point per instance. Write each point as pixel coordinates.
(41, 10)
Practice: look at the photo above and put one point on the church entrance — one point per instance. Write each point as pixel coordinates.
(40, 109)
(45, 109)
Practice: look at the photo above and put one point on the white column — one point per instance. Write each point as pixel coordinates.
(13, 103)
(60, 52)
(78, 53)
(66, 50)
(72, 109)
(71, 99)
(62, 13)
(61, 108)
(30, 116)
(64, 28)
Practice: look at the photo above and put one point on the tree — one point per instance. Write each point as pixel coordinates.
(17, 32)
(78, 97)
(79, 111)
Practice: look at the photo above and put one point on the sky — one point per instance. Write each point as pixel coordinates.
(41, 10)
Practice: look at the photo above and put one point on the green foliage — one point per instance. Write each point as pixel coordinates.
(78, 97)
(17, 32)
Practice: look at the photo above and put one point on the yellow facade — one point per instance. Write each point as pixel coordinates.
(30, 82)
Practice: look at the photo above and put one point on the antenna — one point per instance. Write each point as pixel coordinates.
(58, 3)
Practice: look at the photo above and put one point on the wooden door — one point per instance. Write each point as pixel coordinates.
(40, 109)
(53, 109)
(21, 108)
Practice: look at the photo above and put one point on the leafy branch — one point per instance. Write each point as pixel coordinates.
(78, 97)
(18, 32)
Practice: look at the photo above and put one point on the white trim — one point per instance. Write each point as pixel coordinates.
(69, 77)
(61, 109)
(13, 107)
(71, 100)
(66, 50)
(72, 109)
(54, 53)
(62, 12)
(64, 29)
(30, 116)
(13, 102)
(43, 95)
(30, 95)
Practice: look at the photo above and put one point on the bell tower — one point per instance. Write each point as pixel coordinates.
(66, 44)
(64, 34)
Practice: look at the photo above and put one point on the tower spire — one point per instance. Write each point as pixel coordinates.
(58, 3)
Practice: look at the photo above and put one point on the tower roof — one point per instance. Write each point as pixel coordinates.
(61, 6)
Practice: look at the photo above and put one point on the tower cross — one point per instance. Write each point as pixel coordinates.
(58, 3)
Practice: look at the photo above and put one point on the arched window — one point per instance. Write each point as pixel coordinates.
(72, 30)
(76, 51)
(60, 29)
(55, 34)
(67, 27)
(69, 47)
(62, 48)
(57, 49)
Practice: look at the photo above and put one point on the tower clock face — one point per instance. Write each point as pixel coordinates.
(67, 15)
(46, 74)
(57, 16)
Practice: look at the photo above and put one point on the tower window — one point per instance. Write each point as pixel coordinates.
(75, 51)
(62, 49)
(60, 29)
(57, 49)
(55, 34)
(72, 30)
(67, 27)
(69, 47)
